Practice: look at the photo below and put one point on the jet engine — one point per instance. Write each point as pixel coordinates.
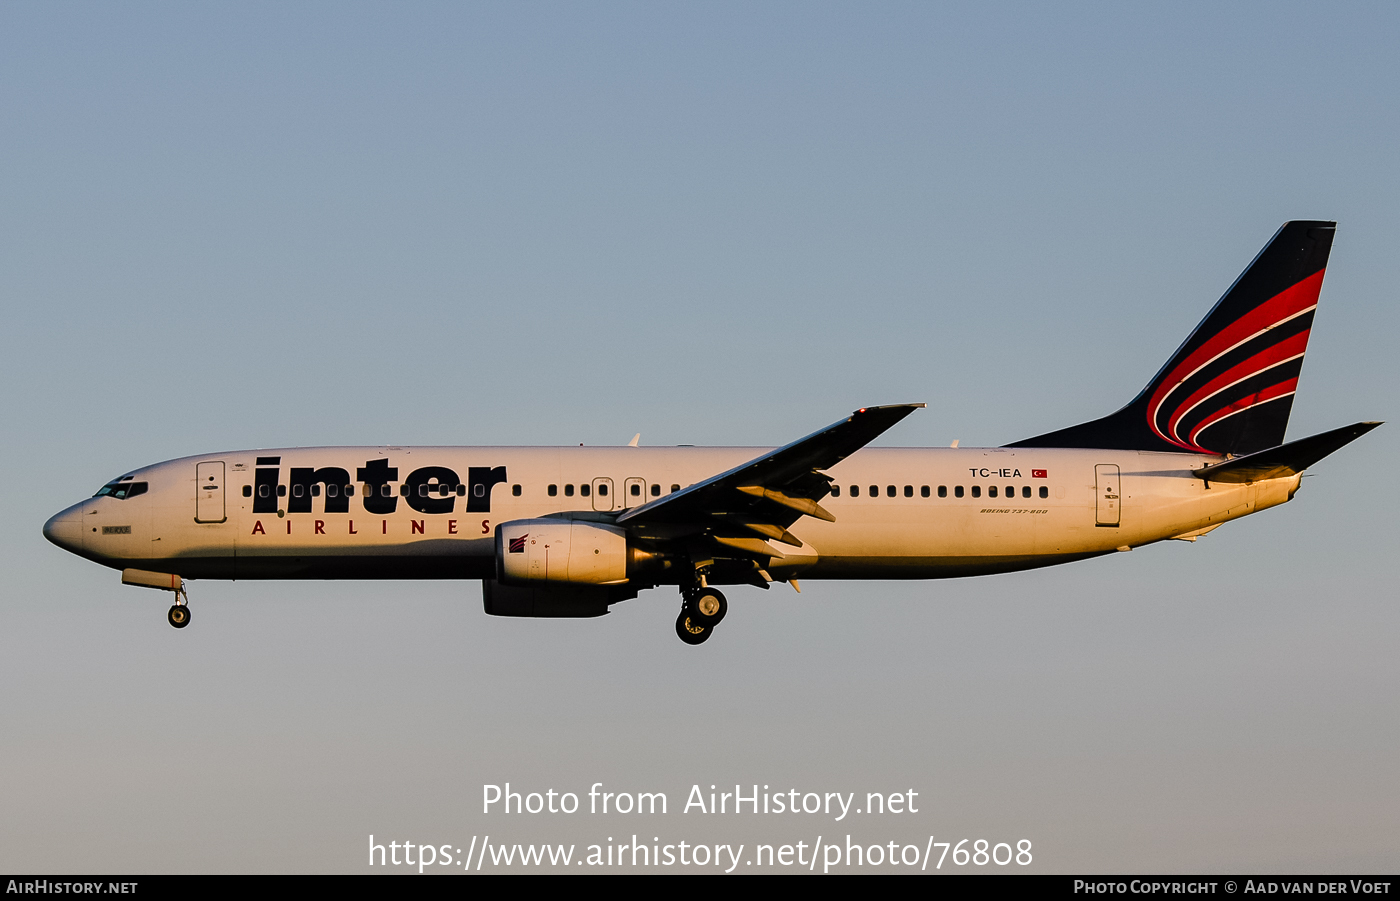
(560, 551)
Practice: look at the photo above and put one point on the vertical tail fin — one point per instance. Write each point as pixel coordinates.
(1229, 388)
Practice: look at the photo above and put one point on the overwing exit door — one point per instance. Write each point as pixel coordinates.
(603, 498)
(1110, 496)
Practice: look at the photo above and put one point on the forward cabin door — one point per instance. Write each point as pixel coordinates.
(209, 492)
(1110, 497)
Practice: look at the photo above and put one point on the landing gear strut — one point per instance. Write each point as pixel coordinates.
(701, 610)
(179, 614)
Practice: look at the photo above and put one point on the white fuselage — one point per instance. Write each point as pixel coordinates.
(919, 513)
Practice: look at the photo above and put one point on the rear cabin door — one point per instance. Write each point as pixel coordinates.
(1110, 497)
(209, 492)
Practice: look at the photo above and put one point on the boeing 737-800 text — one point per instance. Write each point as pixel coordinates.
(569, 531)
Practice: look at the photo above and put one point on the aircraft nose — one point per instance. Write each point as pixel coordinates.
(65, 529)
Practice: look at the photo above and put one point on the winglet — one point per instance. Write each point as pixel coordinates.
(635, 438)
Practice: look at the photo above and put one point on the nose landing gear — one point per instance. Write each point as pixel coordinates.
(179, 614)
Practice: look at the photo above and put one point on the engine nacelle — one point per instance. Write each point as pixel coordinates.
(560, 551)
(542, 600)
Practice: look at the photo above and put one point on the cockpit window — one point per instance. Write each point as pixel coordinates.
(122, 490)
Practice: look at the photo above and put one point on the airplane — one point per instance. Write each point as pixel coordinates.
(570, 531)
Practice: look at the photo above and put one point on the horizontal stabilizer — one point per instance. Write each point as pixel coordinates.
(1286, 459)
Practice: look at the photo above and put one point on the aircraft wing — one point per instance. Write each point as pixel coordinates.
(761, 498)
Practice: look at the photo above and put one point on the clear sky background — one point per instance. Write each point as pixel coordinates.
(225, 226)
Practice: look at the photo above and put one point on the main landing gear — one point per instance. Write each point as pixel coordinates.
(701, 610)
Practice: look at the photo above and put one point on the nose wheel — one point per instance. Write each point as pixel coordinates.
(179, 614)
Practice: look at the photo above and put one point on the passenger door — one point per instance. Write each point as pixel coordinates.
(1109, 506)
(209, 492)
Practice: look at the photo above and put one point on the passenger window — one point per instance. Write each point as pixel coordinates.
(636, 490)
(316, 490)
(835, 490)
(247, 490)
(908, 490)
(553, 490)
(603, 490)
(568, 490)
(923, 491)
(423, 490)
(350, 490)
(1010, 490)
(874, 490)
(1044, 491)
(515, 490)
(386, 490)
(479, 490)
(943, 491)
(855, 491)
(281, 490)
(991, 491)
(461, 490)
(958, 491)
(585, 489)
(1026, 491)
(655, 490)
(976, 490)
(675, 488)
(445, 489)
(331, 490)
(403, 491)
